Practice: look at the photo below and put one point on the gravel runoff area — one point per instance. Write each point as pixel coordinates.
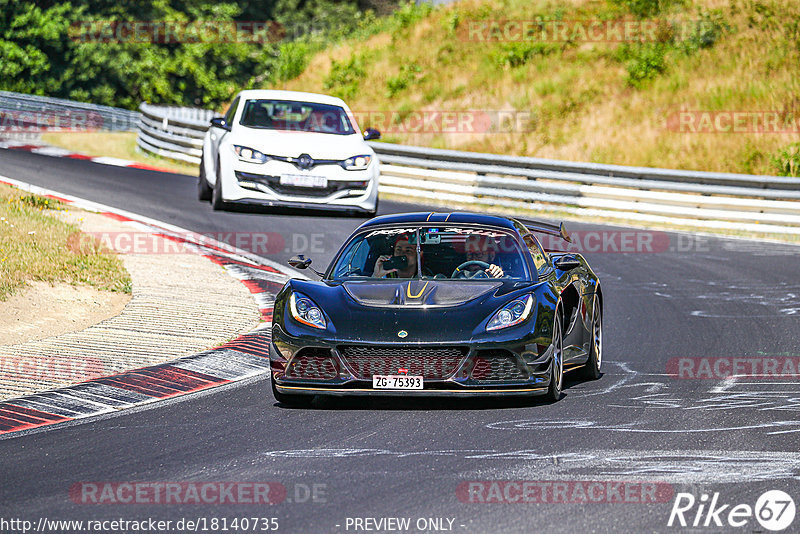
(182, 304)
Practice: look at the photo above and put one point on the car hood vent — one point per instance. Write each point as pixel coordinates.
(415, 292)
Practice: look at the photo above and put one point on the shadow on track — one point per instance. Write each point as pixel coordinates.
(259, 209)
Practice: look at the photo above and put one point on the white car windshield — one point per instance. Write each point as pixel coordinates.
(296, 116)
(445, 252)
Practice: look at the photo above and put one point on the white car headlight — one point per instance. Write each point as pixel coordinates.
(512, 313)
(305, 311)
(357, 163)
(249, 155)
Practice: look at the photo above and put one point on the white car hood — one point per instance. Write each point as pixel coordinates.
(293, 144)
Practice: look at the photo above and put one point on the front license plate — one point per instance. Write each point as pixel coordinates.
(304, 180)
(396, 382)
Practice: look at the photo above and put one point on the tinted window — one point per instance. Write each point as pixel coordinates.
(443, 250)
(296, 116)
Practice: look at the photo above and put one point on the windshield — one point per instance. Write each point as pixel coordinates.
(297, 116)
(438, 252)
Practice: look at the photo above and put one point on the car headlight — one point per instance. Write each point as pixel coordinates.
(250, 155)
(512, 313)
(357, 163)
(305, 311)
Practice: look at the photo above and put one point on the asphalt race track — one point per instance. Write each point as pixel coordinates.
(638, 433)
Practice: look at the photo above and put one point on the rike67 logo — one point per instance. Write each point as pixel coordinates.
(774, 510)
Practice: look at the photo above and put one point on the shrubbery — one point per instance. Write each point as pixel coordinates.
(40, 55)
(516, 54)
(646, 8)
(645, 61)
(407, 76)
(344, 77)
(787, 161)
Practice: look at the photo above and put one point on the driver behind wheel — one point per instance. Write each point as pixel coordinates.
(482, 248)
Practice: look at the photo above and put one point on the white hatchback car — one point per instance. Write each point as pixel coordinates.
(286, 148)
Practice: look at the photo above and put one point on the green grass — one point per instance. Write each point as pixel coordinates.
(34, 245)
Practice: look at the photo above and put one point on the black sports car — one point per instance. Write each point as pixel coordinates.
(453, 304)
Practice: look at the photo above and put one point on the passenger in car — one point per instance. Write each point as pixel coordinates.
(402, 248)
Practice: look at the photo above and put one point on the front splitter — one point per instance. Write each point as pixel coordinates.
(304, 390)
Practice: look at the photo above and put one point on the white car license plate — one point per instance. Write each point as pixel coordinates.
(304, 180)
(396, 382)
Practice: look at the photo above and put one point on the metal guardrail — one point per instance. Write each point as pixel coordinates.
(173, 132)
(21, 112)
(593, 169)
(692, 198)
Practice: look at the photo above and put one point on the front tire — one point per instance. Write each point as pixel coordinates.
(373, 213)
(557, 365)
(591, 370)
(203, 189)
(216, 194)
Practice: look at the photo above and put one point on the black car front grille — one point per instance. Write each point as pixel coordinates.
(313, 364)
(497, 366)
(274, 183)
(428, 362)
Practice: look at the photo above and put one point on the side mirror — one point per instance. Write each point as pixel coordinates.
(371, 133)
(299, 262)
(567, 263)
(219, 122)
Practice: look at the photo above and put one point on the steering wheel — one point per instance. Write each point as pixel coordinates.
(461, 273)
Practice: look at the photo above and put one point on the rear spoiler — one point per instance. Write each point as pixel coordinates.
(547, 228)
